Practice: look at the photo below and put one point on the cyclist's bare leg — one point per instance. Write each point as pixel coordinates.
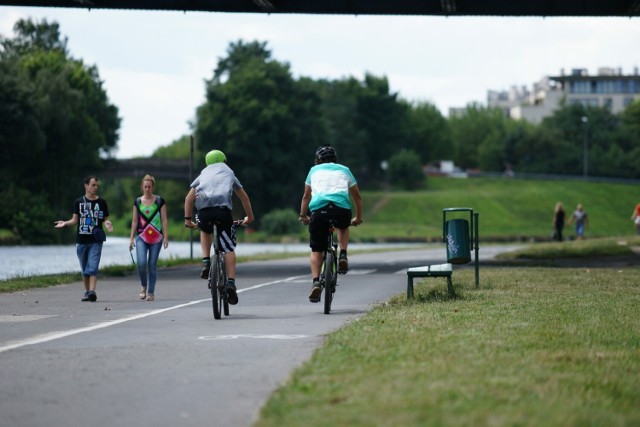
(315, 260)
(205, 243)
(230, 264)
(343, 241)
(343, 238)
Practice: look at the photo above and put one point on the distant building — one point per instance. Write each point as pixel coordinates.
(609, 88)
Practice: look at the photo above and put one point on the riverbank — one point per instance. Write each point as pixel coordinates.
(26, 261)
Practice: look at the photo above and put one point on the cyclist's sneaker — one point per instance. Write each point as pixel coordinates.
(86, 296)
(316, 290)
(343, 263)
(206, 266)
(93, 297)
(232, 295)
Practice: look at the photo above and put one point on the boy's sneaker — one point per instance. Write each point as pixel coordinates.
(93, 297)
(86, 296)
(232, 295)
(343, 263)
(316, 290)
(206, 266)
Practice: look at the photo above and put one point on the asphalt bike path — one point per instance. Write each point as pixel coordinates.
(123, 361)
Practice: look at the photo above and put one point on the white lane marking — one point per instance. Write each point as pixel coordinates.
(257, 336)
(63, 334)
(360, 272)
(14, 318)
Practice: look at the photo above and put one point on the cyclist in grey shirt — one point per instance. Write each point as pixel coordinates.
(211, 193)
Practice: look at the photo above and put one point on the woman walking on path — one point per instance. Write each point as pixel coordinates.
(148, 235)
(558, 222)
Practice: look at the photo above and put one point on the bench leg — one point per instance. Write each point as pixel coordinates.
(450, 286)
(409, 287)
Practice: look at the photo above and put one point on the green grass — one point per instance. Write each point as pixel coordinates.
(553, 347)
(593, 248)
(508, 209)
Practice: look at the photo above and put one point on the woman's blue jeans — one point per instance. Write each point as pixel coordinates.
(147, 259)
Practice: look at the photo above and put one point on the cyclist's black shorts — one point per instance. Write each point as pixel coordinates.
(319, 225)
(205, 218)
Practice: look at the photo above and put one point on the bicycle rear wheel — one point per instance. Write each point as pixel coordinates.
(214, 277)
(329, 280)
(224, 300)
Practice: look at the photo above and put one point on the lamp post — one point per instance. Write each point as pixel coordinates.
(585, 147)
(384, 165)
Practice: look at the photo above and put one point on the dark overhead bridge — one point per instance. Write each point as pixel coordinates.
(627, 8)
(177, 169)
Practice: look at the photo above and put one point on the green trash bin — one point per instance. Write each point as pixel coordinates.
(457, 240)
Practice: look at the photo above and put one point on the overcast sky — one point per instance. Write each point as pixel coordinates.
(154, 64)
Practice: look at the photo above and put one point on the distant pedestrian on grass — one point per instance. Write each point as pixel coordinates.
(558, 222)
(89, 212)
(635, 217)
(581, 220)
(148, 235)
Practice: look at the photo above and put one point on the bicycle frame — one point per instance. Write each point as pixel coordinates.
(218, 278)
(329, 272)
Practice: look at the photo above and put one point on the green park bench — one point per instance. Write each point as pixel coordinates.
(460, 236)
(440, 270)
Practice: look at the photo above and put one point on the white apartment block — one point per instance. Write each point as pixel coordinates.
(609, 88)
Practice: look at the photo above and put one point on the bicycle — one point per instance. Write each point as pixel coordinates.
(329, 269)
(217, 282)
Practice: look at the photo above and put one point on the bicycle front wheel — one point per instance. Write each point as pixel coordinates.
(329, 280)
(214, 277)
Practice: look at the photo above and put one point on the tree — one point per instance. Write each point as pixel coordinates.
(264, 121)
(430, 133)
(602, 129)
(405, 170)
(384, 120)
(58, 124)
(469, 131)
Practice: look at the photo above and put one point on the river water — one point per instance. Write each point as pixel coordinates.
(18, 261)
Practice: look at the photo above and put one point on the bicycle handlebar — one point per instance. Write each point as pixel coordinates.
(236, 223)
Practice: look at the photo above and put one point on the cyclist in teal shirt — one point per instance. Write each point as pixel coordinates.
(328, 191)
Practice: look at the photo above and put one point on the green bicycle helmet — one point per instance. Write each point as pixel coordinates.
(215, 156)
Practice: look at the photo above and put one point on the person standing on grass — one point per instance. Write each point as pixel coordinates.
(89, 212)
(635, 217)
(581, 219)
(148, 235)
(558, 221)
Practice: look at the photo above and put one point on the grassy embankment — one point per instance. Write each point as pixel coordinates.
(510, 209)
(533, 346)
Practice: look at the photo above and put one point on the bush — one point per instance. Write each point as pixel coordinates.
(280, 221)
(405, 170)
(28, 216)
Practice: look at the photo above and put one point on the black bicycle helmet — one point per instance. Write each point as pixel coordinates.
(325, 152)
